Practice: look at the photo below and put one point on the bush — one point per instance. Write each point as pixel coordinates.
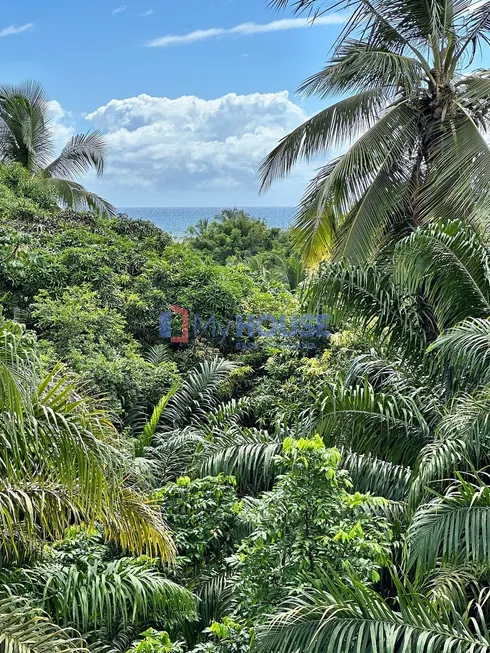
(233, 233)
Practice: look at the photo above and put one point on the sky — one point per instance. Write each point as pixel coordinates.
(190, 94)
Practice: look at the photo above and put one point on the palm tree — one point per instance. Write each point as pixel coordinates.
(270, 265)
(61, 462)
(100, 597)
(398, 407)
(26, 137)
(415, 114)
(164, 445)
(200, 228)
(61, 465)
(414, 425)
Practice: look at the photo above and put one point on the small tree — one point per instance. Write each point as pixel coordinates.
(308, 522)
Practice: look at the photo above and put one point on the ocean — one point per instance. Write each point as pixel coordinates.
(176, 220)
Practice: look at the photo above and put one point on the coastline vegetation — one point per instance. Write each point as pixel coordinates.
(300, 493)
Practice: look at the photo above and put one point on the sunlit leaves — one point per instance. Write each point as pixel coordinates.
(436, 160)
(27, 138)
(25, 628)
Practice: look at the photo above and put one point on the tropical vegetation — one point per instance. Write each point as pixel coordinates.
(199, 497)
(274, 483)
(410, 123)
(27, 138)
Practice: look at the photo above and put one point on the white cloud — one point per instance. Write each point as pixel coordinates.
(61, 125)
(148, 12)
(189, 145)
(12, 29)
(118, 10)
(244, 29)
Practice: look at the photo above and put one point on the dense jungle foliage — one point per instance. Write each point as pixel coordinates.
(205, 497)
(308, 473)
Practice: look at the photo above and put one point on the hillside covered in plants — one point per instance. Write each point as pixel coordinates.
(203, 497)
(248, 440)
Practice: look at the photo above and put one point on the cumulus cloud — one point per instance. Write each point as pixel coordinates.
(61, 125)
(118, 10)
(12, 29)
(189, 144)
(244, 29)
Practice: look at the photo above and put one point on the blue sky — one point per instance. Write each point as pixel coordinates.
(187, 120)
(86, 55)
(167, 148)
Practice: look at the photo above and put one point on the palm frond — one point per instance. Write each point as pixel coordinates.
(466, 347)
(215, 598)
(230, 413)
(453, 584)
(157, 354)
(459, 174)
(451, 527)
(369, 298)
(474, 90)
(60, 463)
(357, 66)
(391, 427)
(352, 617)
(151, 426)
(375, 476)
(136, 524)
(316, 219)
(82, 153)
(394, 375)
(448, 264)
(25, 628)
(476, 29)
(31, 511)
(461, 442)
(248, 455)
(75, 196)
(197, 395)
(92, 595)
(25, 132)
(369, 223)
(174, 451)
(328, 129)
(345, 182)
